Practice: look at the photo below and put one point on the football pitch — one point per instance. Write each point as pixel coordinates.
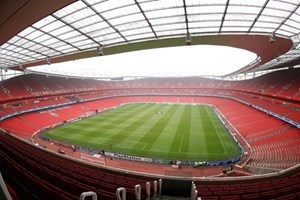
(160, 131)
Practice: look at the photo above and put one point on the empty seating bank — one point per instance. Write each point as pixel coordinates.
(275, 144)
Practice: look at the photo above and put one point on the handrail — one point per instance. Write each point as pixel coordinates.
(88, 194)
(121, 193)
(138, 191)
(4, 189)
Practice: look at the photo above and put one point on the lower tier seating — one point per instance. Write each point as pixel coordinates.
(50, 176)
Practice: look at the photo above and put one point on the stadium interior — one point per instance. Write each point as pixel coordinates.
(261, 113)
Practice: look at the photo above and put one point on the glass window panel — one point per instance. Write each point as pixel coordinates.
(292, 23)
(296, 15)
(204, 30)
(170, 27)
(86, 11)
(113, 41)
(205, 17)
(44, 21)
(102, 32)
(101, 25)
(43, 50)
(271, 19)
(69, 35)
(30, 54)
(94, 27)
(290, 29)
(237, 23)
(66, 47)
(137, 31)
(171, 32)
(92, 2)
(2, 51)
(75, 39)
(281, 5)
(104, 38)
(86, 21)
(121, 12)
(31, 59)
(18, 49)
(243, 9)
(23, 52)
(50, 41)
(52, 26)
(23, 57)
(262, 29)
(58, 44)
(10, 47)
(21, 42)
(141, 36)
(165, 13)
(74, 17)
(284, 32)
(248, 2)
(29, 44)
(39, 48)
(243, 17)
(234, 29)
(62, 30)
(52, 54)
(155, 5)
(89, 46)
(212, 2)
(69, 50)
(276, 12)
(167, 20)
(142, 1)
(133, 25)
(206, 9)
(192, 2)
(127, 19)
(70, 9)
(204, 24)
(42, 38)
(266, 24)
(81, 43)
(35, 34)
(26, 31)
(12, 60)
(14, 39)
(112, 4)
(3, 46)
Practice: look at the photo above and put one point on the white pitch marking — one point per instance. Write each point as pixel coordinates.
(216, 130)
(181, 143)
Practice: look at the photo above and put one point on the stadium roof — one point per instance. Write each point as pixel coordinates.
(34, 32)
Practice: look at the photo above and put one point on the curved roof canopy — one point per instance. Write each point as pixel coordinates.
(269, 28)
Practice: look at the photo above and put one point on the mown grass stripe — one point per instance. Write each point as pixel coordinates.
(131, 128)
(152, 135)
(197, 138)
(181, 132)
(164, 142)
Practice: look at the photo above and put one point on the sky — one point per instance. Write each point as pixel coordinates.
(195, 60)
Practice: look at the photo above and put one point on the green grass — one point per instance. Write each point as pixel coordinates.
(172, 132)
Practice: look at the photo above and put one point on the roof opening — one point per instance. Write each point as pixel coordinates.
(196, 60)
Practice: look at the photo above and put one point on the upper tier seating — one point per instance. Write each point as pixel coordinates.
(274, 143)
(263, 132)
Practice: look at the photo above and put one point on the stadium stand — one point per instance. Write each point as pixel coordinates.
(265, 112)
(44, 172)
